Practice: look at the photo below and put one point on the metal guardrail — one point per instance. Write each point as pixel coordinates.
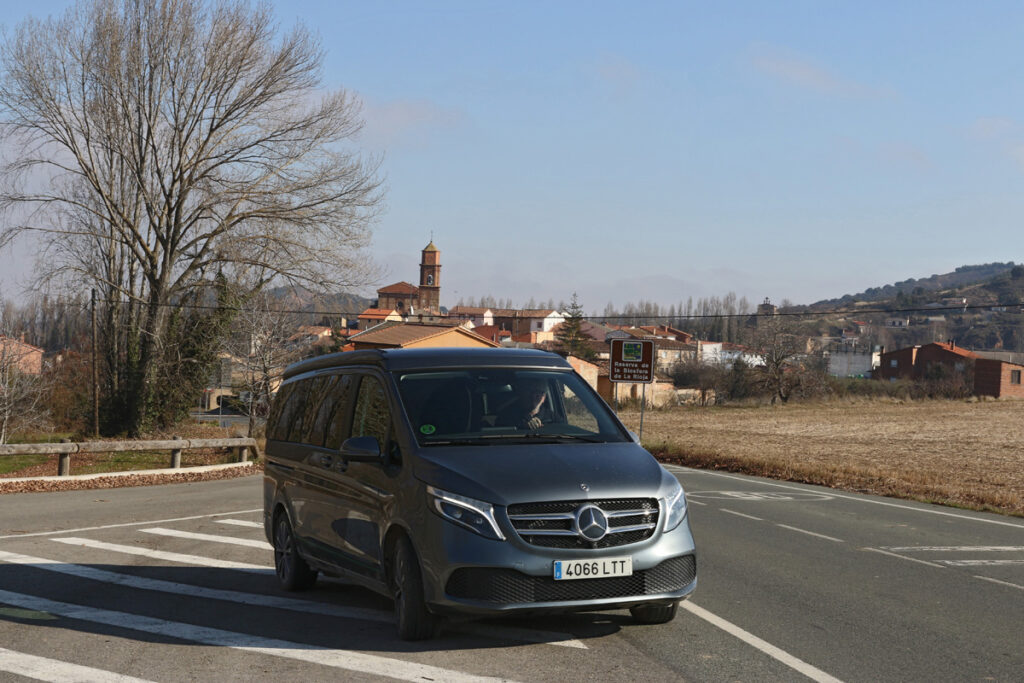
(65, 449)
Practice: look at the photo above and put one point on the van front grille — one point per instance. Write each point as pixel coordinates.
(507, 586)
(552, 524)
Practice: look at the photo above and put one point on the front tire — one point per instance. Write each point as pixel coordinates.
(292, 571)
(654, 613)
(415, 621)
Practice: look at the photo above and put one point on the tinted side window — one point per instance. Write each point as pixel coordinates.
(317, 394)
(290, 421)
(373, 415)
(335, 418)
(276, 429)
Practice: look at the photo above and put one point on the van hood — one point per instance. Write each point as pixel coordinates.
(522, 473)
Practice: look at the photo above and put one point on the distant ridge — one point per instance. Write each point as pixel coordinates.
(985, 282)
(305, 300)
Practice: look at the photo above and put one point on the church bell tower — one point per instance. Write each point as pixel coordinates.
(430, 279)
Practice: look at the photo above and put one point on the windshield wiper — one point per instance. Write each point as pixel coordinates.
(543, 437)
(589, 438)
(535, 437)
(456, 442)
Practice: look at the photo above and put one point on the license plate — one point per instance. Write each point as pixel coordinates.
(606, 567)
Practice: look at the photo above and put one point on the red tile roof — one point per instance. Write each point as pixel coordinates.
(522, 313)
(492, 332)
(377, 313)
(403, 334)
(467, 310)
(953, 348)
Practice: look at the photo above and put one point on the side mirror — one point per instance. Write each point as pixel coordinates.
(361, 449)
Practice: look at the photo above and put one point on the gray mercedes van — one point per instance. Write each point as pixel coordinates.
(475, 482)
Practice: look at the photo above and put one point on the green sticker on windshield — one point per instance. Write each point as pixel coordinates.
(428, 429)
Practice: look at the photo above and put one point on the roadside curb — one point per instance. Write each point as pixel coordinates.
(131, 473)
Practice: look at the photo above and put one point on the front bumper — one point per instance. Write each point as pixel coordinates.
(475, 576)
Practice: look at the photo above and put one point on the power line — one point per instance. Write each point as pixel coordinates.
(621, 316)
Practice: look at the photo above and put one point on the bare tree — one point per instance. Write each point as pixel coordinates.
(259, 341)
(22, 392)
(792, 364)
(161, 142)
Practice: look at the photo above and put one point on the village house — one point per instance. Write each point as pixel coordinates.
(998, 378)
(990, 376)
(918, 362)
(492, 332)
(372, 317)
(15, 353)
(474, 314)
(311, 335)
(529, 320)
(399, 335)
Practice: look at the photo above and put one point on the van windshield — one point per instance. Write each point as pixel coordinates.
(506, 405)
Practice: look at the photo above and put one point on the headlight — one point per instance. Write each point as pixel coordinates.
(475, 515)
(675, 506)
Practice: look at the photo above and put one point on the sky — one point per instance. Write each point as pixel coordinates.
(665, 150)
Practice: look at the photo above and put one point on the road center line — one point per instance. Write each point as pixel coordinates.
(1001, 583)
(979, 563)
(127, 524)
(278, 602)
(349, 660)
(740, 514)
(162, 555)
(56, 671)
(904, 557)
(956, 548)
(232, 540)
(811, 533)
(789, 660)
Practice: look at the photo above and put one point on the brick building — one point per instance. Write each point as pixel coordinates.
(919, 362)
(998, 378)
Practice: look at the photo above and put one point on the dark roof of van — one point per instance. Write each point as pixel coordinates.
(417, 359)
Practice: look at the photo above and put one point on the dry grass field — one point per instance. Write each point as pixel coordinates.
(965, 454)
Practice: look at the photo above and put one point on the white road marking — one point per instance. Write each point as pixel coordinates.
(789, 660)
(161, 555)
(690, 470)
(694, 502)
(241, 522)
(956, 548)
(740, 514)
(231, 540)
(1001, 583)
(127, 524)
(45, 669)
(349, 660)
(811, 533)
(760, 496)
(273, 601)
(904, 557)
(979, 563)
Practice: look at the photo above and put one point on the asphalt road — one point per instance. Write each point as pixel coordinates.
(174, 583)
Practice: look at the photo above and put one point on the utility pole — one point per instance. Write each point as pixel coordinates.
(95, 373)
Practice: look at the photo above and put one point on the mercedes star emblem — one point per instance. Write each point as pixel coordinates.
(591, 523)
